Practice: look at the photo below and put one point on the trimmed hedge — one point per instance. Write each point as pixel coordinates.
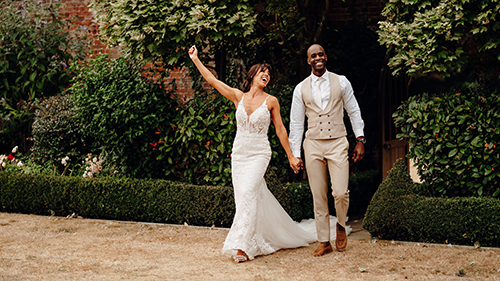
(397, 212)
(117, 198)
(151, 200)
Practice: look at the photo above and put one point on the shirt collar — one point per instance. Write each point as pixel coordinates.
(315, 78)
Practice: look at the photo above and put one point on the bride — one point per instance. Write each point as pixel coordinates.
(260, 226)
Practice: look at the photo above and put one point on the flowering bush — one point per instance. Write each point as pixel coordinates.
(57, 134)
(94, 167)
(9, 162)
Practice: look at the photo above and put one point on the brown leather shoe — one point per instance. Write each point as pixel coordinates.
(322, 249)
(341, 241)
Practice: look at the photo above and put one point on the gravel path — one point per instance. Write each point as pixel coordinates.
(56, 248)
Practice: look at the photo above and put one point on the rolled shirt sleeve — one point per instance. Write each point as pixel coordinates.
(351, 106)
(297, 119)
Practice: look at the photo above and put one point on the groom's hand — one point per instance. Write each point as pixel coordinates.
(359, 152)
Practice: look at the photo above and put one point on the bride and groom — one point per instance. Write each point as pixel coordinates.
(261, 226)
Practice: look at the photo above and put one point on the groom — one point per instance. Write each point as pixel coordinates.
(322, 97)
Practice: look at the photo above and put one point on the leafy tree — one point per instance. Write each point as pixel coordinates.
(165, 29)
(443, 36)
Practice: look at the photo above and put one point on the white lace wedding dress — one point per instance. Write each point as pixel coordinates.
(260, 226)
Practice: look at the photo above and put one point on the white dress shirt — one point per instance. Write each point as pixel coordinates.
(298, 111)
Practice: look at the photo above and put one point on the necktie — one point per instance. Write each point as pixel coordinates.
(317, 92)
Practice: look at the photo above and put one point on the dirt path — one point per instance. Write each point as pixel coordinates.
(55, 248)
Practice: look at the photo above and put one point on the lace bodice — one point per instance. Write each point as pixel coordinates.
(257, 123)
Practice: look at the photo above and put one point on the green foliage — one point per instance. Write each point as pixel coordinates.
(15, 125)
(57, 133)
(122, 105)
(11, 162)
(397, 212)
(454, 139)
(442, 36)
(165, 29)
(35, 48)
(198, 146)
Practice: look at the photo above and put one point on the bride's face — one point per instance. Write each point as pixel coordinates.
(262, 78)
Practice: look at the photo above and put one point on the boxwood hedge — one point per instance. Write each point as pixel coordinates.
(398, 212)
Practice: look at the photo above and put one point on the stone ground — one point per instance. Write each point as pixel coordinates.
(57, 248)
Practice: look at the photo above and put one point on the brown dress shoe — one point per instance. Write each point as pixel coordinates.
(341, 241)
(322, 249)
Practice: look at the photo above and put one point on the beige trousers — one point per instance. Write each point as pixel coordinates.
(321, 155)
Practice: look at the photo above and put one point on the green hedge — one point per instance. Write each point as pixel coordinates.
(153, 200)
(397, 212)
(115, 198)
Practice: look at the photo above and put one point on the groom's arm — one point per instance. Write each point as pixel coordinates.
(352, 108)
(297, 119)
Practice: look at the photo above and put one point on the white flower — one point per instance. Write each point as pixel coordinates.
(94, 160)
(19, 164)
(3, 164)
(90, 174)
(64, 160)
(14, 150)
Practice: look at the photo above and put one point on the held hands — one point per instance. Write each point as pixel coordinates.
(193, 52)
(295, 163)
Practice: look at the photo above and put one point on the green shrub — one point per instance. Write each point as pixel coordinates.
(198, 141)
(397, 212)
(15, 125)
(36, 45)
(122, 106)
(57, 133)
(455, 139)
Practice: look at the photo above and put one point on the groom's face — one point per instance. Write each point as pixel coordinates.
(316, 58)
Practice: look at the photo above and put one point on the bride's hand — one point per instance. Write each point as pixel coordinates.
(295, 163)
(193, 52)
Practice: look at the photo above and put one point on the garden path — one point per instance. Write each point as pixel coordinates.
(57, 248)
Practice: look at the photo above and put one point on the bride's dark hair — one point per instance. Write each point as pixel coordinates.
(256, 68)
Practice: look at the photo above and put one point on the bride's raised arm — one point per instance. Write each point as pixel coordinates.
(233, 94)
